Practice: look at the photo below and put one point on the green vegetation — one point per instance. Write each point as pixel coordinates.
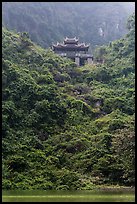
(67, 127)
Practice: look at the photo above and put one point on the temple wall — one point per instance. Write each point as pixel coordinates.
(77, 60)
(90, 60)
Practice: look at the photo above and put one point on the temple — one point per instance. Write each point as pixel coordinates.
(74, 50)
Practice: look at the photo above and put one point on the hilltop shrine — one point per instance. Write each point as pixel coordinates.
(71, 48)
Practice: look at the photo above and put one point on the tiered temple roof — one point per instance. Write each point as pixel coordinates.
(71, 40)
(70, 44)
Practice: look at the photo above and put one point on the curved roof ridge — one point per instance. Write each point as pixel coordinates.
(71, 39)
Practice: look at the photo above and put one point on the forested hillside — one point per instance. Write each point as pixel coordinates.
(67, 127)
(48, 22)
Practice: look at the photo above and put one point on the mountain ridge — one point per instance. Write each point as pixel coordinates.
(50, 22)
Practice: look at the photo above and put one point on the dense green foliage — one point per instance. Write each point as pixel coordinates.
(67, 127)
(96, 23)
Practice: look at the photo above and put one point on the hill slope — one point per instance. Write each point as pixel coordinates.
(67, 127)
(48, 22)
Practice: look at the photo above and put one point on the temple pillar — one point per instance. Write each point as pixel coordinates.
(77, 60)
